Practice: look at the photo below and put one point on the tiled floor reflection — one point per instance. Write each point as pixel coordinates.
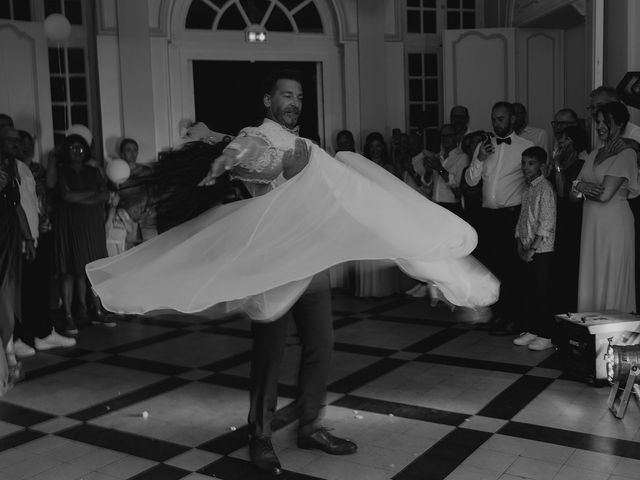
(425, 398)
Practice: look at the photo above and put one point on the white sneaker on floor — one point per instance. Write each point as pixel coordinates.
(540, 344)
(54, 340)
(22, 350)
(525, 338)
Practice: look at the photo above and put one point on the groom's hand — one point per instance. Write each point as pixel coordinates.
(293, 161)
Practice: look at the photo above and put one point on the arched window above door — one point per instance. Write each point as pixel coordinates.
(295, 16)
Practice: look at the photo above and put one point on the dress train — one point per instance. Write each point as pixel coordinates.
(259, 255)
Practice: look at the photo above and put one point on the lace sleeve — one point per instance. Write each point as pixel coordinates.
(258, 160)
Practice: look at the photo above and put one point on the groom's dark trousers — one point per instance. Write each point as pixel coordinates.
(314, 324)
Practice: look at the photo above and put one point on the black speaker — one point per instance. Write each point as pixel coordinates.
(629, 89)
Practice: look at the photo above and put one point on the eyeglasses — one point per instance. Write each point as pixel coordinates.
(76, 149)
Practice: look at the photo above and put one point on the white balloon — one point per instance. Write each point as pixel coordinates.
(84, 132)
(118, 171)
(57, 27)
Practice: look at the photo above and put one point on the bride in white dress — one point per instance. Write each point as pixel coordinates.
(258, 255)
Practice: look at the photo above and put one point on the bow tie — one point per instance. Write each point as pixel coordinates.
(506, 140)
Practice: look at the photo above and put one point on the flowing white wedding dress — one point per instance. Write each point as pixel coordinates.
(258, 255)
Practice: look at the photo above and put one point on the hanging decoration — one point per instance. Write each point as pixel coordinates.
(57, 27)
(118, 171)
(83, 131)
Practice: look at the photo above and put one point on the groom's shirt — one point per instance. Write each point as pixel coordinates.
(260, 150)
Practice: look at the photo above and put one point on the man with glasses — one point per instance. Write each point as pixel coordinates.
(563, 118)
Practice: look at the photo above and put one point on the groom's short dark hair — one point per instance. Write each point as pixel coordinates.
(287, 74)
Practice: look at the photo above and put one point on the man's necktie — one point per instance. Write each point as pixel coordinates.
(503, 140)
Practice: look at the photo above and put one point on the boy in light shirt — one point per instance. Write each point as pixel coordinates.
(535, 232)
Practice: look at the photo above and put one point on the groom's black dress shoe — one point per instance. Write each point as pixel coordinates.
(263, 456)
(321, 439)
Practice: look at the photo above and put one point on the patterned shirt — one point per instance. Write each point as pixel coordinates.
(538, 215)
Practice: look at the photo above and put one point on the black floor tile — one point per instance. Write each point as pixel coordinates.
(229, 442)
(162, 472)
(229, 362)
(51, 369)
(19, 438)
(515, 397)
(445, 456)
(400, 410)
(243, 383)
(25, 417)
(137, 445)
(229, 331)
(413, 321)
(341, 313)
(568, 438)
(283, 417)
(345, 322)
(391, 304)
(363, 349)
(147, 341)
(232, 441)
(473, 363)
(435, 340)
(157, 321)
(144, 365)
(123, 401)
(235, 469)
(553, 361)
(227, 380)
(74, 352)
(365, 375)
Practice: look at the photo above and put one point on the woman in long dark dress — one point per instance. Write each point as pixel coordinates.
(573, 150)
(80, 236)
(14, 230)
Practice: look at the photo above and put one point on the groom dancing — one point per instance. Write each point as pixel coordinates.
(262, 172)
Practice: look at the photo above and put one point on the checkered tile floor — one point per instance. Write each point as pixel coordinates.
(423, 396)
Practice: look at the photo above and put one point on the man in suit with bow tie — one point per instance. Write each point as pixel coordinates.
(496, 162)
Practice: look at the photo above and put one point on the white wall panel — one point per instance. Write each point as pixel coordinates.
(110, 94)
(24, 80)
(479, 70)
